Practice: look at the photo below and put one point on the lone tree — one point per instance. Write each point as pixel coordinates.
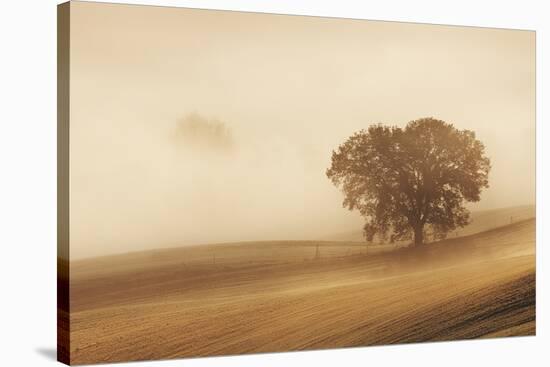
(406, 180)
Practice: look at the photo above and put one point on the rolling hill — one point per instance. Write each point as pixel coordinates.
(275, 296)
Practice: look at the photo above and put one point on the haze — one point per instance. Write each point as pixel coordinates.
(193, 126)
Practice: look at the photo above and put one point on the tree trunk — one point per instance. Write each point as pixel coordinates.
(418, 235)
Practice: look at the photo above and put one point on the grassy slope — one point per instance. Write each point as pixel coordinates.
(480, 221)
(260, 297)
(270, 252)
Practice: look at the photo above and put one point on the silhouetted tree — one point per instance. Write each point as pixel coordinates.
(405, 180)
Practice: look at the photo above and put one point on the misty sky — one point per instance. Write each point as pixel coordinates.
(194, 126)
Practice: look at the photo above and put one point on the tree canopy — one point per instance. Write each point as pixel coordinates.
(404, 181)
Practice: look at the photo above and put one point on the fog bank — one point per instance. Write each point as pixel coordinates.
(192, 126)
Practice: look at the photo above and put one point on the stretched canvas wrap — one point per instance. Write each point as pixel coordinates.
(235, 183)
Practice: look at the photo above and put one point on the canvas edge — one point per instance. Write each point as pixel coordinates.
(63, 115)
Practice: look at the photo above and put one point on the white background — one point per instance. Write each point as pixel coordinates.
(28, 183)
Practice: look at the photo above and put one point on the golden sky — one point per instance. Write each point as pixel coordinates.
(266, 98)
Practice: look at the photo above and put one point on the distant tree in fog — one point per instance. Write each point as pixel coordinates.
(404, 181)
(199, 132)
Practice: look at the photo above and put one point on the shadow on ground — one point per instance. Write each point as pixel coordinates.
(49, 353)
